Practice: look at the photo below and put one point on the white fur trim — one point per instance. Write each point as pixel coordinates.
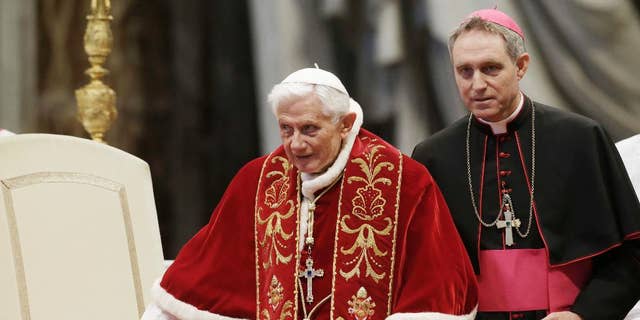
(179, 309)
(312, 183)
(432, 316)
(153, 312)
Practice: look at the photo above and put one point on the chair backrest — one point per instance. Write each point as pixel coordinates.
(79, 235)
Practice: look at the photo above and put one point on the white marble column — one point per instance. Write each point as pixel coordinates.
(287, 35)
(276, 30)
(18, 64)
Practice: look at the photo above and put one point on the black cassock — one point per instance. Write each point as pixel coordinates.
(584, 204)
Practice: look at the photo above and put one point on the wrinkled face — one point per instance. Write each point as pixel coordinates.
(487, 78)
(310, 138)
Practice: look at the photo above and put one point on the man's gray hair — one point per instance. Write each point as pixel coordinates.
(335, 103)
(513, 42)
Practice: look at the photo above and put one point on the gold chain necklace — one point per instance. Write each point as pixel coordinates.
(506, 198)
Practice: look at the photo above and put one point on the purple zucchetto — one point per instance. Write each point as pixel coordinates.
(498, 17)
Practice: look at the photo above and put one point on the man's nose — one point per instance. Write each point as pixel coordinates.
(297, 141)
(478, 82)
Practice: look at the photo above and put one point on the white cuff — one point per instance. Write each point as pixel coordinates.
(178, 310)
(432, 316)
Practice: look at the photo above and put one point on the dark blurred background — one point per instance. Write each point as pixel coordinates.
(191, 76)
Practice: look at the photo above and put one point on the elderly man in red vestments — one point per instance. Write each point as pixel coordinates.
(333, 224)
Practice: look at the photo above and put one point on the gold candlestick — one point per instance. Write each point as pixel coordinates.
(96, 101)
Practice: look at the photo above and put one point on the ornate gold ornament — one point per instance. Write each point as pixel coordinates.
(284, 314)
(276, 197)
(361, 305)
(286, 310)
(276, 194)
(368, 204)
(96, 101)
(275, 293)
(365, 241)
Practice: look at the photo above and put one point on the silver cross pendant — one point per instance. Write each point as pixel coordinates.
(309, 273)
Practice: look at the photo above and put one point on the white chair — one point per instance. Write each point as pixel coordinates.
(79, 234)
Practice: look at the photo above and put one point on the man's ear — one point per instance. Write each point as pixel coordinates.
(522, 63)
(346, 123)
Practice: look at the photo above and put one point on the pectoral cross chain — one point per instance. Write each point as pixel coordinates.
(309, 273)
(508, 223)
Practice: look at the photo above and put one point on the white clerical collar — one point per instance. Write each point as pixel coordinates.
(500, 127)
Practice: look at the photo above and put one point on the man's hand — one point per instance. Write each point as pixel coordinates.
(563, 315)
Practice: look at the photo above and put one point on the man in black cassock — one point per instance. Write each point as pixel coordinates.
(540, 196)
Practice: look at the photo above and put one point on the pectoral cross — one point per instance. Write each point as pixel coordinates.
(309, 273)
(508, 223)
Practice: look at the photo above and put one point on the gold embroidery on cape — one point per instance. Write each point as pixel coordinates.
(368, 204)
(276, 193)
(275, 198)
(286, 310)
(335, 249)
(361, 305)
(256, 242)
(275, 293)
(395, 234)
(285, 313)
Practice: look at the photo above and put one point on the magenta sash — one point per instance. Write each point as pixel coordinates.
(521, 280)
